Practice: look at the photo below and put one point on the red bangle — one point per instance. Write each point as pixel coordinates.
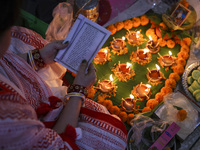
(77, 89)
(39, 62)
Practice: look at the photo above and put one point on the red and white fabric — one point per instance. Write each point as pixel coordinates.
(26, 100)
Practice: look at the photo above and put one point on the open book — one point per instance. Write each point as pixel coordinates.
(85, 40)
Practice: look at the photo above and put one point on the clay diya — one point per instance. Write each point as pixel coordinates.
(123, 71)
(119, 46)
(155, 75)
(134, 38)
(142, 91)
(129, 104)
(106, 86)
(153, 46)
(102, 56)
(166, 60)
(141, 56)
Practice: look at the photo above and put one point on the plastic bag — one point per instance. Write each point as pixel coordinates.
(145, 131)
(61, 23)
(169, 113)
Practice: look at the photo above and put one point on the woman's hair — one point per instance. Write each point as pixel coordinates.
(9, 12)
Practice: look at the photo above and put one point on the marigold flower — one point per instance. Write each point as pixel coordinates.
(91, 92)
(170, 83)
(128, 24)
(178, 69)
(162, 42)
(119, 25)
(129, 118)
(174, 76)
(183, 54)
(114, 110)
(107, 103)
(146, 109)
(136, 21)
(181, 61)
(185, 48)
(152, 103)
(165, 90)
(144, 20)
(170, 43)
(123, 115)
(181, 115)
(112, 29)
(164, 27)
(159, 97)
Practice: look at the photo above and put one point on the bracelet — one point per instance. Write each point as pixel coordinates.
(31, 60)
(36, 60)
(74, 94)
(77, 89)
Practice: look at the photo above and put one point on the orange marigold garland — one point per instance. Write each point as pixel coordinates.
(174, 77)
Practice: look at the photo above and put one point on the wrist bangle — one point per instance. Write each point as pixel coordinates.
(36, 60)
(77, 89)
(74, 94)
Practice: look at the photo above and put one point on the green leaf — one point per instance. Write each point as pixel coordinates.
(178, 108)
(155, 18)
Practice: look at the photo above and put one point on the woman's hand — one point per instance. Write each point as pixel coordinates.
(49, 52)
(86, 79)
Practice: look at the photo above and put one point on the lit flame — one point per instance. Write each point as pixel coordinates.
(150, 38)
(131, 96)
(123, 38)
(158, 68)
(128, 65)
(137, 34)
(170, 53)
(148, 85)
(111, 78)
(105, 50)
(145, 50)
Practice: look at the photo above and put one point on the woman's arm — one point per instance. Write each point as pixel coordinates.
(71, 111)
(47, 53)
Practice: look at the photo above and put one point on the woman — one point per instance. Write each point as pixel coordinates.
(31, 114)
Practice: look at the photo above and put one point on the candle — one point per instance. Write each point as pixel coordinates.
(142, 53)
(168, 60)
(125, 68)
(134, 38)
(106, 85)
(128, 104)
(143, 90)
(154, 75)
(118, 44)
(153, 46)
(101, 56)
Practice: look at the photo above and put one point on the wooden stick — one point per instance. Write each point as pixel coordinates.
(148, 70)
(160, 55)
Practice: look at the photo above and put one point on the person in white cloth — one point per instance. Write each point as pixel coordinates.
(34, 112)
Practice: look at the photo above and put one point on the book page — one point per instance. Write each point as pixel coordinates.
(85, 40)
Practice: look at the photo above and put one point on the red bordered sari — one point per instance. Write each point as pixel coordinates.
(22, 93)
